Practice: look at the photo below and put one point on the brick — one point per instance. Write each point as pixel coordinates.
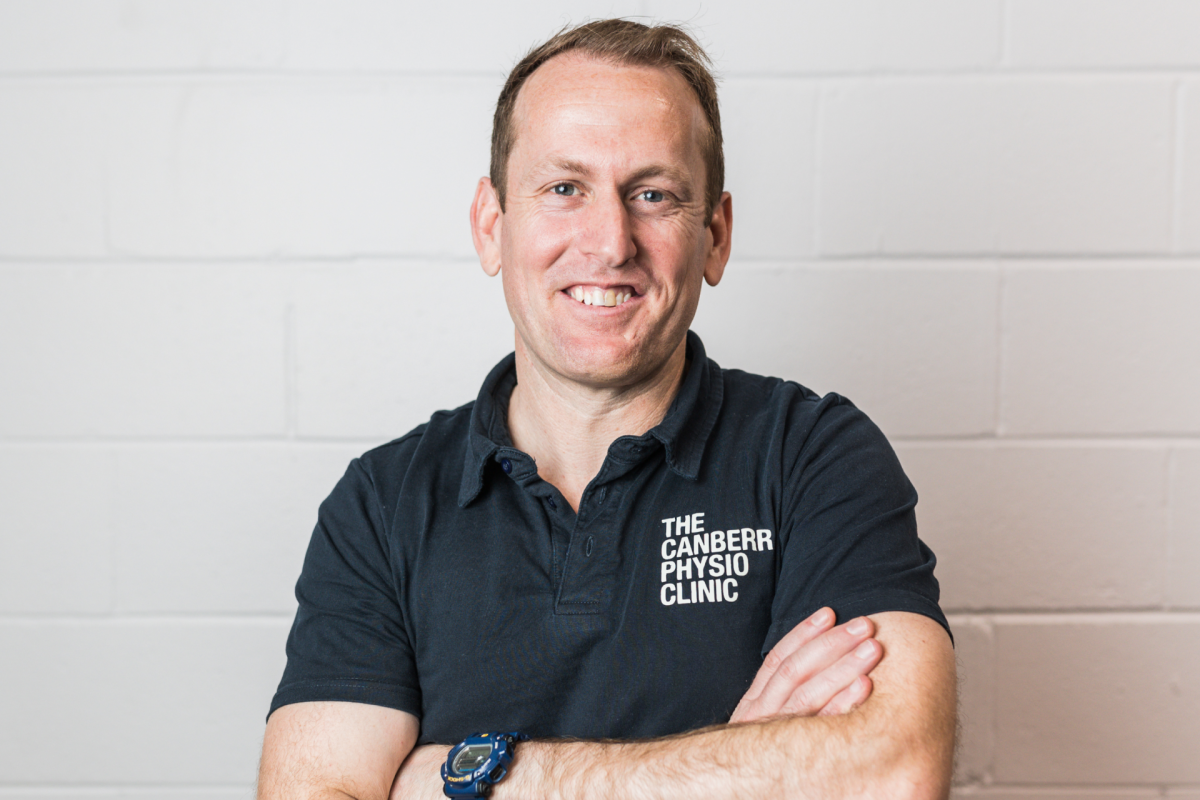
(110, 35)
(1187, 214)
(1043, 526)
(141, 351)
(996, 166)
(328, 167)
(1110, 350)
(1106, 700)
(141, 702)
(770, 133)
(976, 688)
(240, 550)
(1108, 33)
(382, 346)
(1183, 578)
(1183, 794)
(59, 521)
(367, 34)
(818, 36)
(932, 373)
(52, 171)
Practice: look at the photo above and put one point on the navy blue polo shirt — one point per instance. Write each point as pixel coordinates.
(446, 579)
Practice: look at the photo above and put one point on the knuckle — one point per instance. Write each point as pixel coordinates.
(801, 702)
(789, 671)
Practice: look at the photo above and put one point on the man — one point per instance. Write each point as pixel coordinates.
(604, 545)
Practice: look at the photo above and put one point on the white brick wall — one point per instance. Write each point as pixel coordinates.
(234, 254)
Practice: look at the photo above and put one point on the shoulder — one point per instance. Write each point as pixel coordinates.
(802, 434)
(433, 451)
(788, 408)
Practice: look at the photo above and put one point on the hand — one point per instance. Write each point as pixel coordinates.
(816, 669)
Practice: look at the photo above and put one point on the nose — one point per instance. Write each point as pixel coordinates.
(606, 233)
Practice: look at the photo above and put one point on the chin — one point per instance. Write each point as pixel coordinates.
(606, 366)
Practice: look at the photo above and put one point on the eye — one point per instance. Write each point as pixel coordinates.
(565, 190)
(652, 196)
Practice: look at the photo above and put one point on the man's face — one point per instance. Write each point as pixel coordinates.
(604, 243)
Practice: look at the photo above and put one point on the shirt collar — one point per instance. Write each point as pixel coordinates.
(683, 432)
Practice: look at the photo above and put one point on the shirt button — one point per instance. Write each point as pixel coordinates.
(506, 465)
(553, 504)
(587, 547)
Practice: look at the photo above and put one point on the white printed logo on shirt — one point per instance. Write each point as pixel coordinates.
(702, 566)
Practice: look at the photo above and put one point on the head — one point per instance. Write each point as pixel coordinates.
(604, 224)
(627, 43)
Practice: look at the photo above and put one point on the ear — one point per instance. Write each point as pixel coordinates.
(486, 224)
(720, 229)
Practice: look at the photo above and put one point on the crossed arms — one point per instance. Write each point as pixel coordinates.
(812, 724)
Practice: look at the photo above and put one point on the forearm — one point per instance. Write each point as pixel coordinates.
(898, 744)
(802, 757)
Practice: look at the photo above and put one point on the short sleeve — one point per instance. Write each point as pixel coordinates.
(848, 529)
(348, 641)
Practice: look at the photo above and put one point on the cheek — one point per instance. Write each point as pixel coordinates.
(534, 247)
(678, 251)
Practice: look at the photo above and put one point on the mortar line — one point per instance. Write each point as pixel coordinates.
(1062, 260)
(255, 259)
(895, 73)
(148, 618)
(1137, 440)
(1099, 616)
(1080, 791)
(20, 789)
(177, 441)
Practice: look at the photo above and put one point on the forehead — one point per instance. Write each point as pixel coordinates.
(574, 94)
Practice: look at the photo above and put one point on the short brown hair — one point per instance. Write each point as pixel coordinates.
(623, 42)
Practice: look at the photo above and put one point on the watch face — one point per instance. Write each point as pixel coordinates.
(471, 758)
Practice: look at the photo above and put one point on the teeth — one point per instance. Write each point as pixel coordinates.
(599, 297)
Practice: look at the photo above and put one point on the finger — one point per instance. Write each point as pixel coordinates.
(849, 698)
(809, 661)
(815, 693)
(817, 623)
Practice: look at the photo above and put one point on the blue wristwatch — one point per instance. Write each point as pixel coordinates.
(476, 763)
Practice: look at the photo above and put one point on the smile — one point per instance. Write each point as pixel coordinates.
(597, 296)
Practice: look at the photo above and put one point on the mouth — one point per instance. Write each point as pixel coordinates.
(608, 296)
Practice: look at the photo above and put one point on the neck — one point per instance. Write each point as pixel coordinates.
(567, 427)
